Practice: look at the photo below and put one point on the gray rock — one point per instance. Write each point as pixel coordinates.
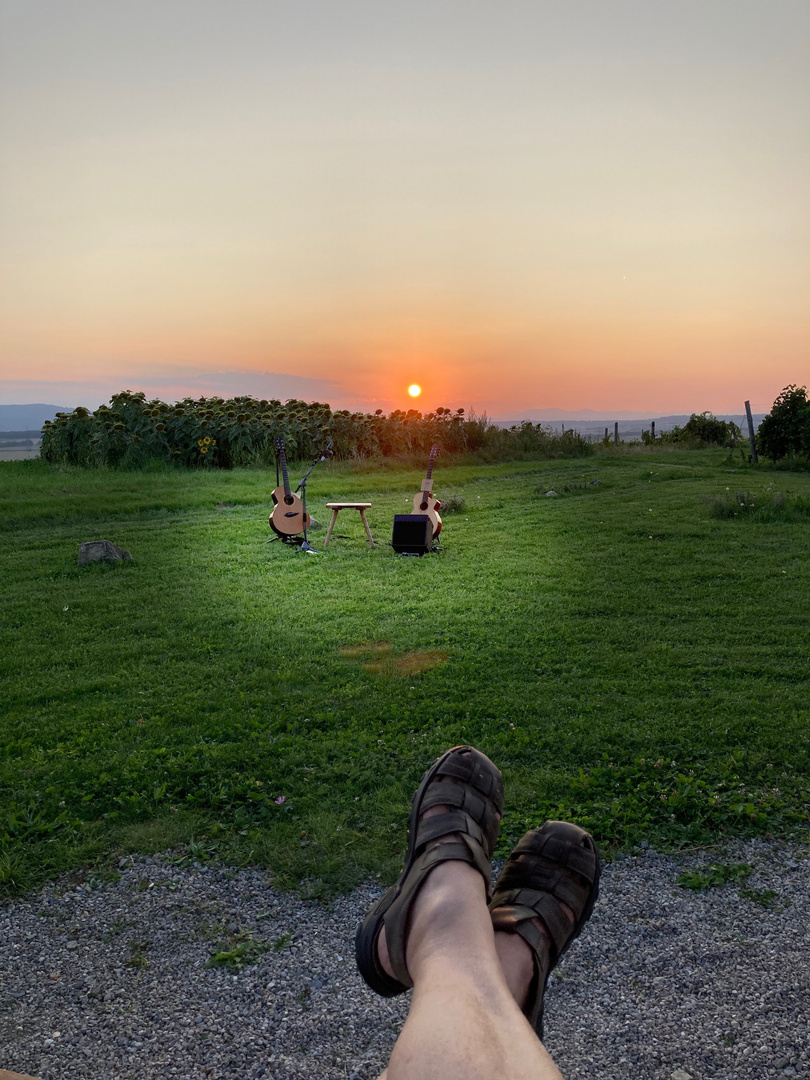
(551, 494)
(101, 551)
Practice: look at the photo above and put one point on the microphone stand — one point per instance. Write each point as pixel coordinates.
(302, 487)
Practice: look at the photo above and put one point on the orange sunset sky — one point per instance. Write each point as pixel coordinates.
(595, 204)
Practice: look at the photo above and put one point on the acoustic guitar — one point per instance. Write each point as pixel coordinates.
(424, 502)
(287, 518)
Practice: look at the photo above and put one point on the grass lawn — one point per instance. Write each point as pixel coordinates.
(629, 661)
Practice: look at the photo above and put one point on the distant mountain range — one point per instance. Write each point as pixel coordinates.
(629, 425)
(25, 418)
(28, 417)
(539, 415)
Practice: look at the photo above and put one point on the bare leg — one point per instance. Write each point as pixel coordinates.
(464, 1023)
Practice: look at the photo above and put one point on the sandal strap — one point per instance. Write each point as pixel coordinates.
(476, 803)
(463, 850)
(455, 821)
(556, 864)
(477, 806)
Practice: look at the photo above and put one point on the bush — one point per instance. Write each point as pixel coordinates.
(785, 431)
(700, 430)
(454, 504)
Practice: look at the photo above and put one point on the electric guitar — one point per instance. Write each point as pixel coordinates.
(424, 502)
(287, 517)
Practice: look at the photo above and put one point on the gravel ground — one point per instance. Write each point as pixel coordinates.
(108, 979)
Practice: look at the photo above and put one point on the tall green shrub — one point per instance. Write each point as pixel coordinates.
(785, 431)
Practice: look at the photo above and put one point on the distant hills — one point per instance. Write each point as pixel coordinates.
(629, 426)
(28, 417)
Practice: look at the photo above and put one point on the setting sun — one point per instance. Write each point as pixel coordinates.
(414, 390)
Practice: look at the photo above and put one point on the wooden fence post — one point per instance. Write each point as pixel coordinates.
(652, 428)
(616, 433)
(750, 418)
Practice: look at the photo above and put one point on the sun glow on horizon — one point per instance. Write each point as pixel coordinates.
(414, 389)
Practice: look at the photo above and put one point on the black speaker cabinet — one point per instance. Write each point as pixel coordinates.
(413, 534)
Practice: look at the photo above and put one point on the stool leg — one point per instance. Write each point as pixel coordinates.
(368, 530)
(331, 526)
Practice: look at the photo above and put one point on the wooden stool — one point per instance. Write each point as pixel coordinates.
(337, 507)
(4, 1075)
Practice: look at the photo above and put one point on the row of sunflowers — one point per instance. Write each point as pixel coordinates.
(131, 432)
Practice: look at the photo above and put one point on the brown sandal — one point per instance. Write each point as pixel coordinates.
(476, 799)
(556, 863)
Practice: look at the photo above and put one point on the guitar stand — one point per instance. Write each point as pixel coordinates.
(300, 543)
(304, 545)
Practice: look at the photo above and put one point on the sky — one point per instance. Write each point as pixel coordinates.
(521, 205)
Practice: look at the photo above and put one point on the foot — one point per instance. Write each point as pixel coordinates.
(455, 816)
(543, 898)
(517, 958)
(442, 884)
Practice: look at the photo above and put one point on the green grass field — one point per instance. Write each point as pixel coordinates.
(630, 661)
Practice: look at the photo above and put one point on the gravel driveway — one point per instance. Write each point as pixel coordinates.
(106, 980)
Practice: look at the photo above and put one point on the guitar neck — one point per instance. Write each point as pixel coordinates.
(283, 456)
(431, 459)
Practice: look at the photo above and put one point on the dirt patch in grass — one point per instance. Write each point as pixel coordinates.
(366, 648)
(414, 663)
(377, 657)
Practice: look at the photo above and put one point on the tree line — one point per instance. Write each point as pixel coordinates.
(132, 433)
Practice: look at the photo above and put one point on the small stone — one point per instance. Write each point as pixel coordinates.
(101, 551)
(551, 494)
(681, 1074)
(72, 945)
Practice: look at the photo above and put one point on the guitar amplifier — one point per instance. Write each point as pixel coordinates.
(413, 534)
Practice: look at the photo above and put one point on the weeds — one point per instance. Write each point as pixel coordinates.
(769, 507)
(766, 898)
(713, 876)
(137, 955)
(454, 504)
(246, 950)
